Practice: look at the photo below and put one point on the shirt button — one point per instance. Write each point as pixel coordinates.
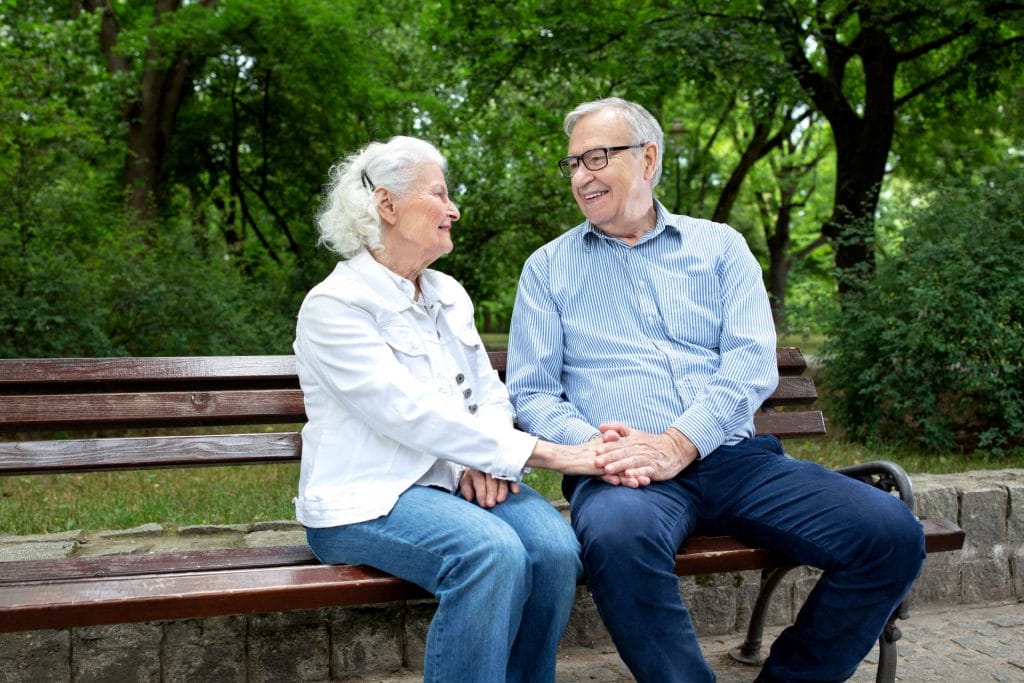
(473, 408)
(460, 378)
(467, 393)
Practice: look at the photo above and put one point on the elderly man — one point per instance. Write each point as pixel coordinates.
(652, 332)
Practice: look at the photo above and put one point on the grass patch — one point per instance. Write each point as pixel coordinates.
(37, 504)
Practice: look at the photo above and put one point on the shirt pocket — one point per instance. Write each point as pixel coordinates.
(692, 311)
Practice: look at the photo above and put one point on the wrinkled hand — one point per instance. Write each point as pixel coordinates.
(485, 489)
(634, 458)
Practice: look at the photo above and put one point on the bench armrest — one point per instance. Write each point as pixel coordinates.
(885, 475)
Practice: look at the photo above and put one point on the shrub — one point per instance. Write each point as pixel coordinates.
(931, 352)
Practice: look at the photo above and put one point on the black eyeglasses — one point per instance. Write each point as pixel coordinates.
(594, 159)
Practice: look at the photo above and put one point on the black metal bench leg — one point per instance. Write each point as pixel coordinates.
(888, 652)
(750, 651)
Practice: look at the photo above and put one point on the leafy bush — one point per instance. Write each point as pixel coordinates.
(931, 352)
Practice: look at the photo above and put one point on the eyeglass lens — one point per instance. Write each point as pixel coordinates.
(593, 159)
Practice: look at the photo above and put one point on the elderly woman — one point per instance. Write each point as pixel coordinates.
(410, 462)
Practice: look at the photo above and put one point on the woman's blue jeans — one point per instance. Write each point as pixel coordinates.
(868, 543)
(505, 578)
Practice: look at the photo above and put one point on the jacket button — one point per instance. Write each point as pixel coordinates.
(467, 393)
(473, 408)
(460, 378)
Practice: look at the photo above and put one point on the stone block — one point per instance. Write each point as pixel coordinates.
(585, 628)
(711, 600)
(366, 638)
(983, 516)
(41, 550)
(418, 615)
(121, 652)
(780, 607)
(204, 650)
(151, 529)
(213, 530)
(277, 525)
(274, 537)
(804, 580)
(288, 646)
(1017, 572)
(985, 579)
(73, 536)
(939, 582)
(35, 656)
(936, 498)
(121, 547)
(1015, 515)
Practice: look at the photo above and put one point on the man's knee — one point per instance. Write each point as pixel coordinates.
(620, 531)
(894, 541)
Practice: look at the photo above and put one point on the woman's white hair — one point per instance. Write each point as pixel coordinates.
(643, 126)
(348, 220)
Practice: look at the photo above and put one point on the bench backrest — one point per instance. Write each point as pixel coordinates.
(117, 413)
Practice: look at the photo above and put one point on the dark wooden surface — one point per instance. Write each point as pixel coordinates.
(136, 396)
(204, 583)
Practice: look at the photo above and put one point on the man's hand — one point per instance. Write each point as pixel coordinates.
(485, 489)
(633, 458)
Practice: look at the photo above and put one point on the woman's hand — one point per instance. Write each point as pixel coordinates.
(484, 489)
(575, 460)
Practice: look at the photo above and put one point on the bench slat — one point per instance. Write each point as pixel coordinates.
(151, 597)
(191, 368)
(88, 455)
(216, 407)
(791, 425)
(57, 371)
(36, 571)
(150, 409)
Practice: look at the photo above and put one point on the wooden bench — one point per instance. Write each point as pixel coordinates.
(124, 397)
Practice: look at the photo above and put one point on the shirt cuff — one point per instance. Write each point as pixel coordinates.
(511, 462)
(578, 432)
(700, 427)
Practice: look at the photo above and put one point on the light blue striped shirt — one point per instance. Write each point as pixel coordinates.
(675, 331)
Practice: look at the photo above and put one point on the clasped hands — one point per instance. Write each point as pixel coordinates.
(621, 456)
(632, 458)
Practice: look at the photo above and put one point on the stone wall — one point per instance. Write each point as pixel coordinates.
(334, 644)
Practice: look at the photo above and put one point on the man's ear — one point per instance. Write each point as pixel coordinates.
(385, 206)
(651, 153)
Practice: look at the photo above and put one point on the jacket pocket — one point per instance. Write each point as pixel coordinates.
(408, 348)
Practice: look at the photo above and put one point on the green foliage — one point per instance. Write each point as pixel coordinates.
(277, 90)
(932, 352)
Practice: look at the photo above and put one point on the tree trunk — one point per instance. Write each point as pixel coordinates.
(151, 115)
(862, 138)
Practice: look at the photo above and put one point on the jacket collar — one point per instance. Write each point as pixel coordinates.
(398, 291)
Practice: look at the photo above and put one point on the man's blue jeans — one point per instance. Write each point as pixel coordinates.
(868, 543)
(505, 578)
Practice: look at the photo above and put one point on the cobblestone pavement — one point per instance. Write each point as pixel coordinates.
(970, 644)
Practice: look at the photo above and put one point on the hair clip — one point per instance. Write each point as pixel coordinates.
(367, 183)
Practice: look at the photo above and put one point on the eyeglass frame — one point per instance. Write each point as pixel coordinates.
(567, 172)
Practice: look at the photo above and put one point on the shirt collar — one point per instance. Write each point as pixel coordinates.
(662, 221)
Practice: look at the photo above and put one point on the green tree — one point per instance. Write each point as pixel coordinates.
(861, 63)
(930, 353)
(54, 190)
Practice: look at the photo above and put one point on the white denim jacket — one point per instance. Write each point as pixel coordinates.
(380, 414)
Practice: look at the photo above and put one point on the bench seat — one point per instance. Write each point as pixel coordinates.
(89, 591)
(81, 415)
